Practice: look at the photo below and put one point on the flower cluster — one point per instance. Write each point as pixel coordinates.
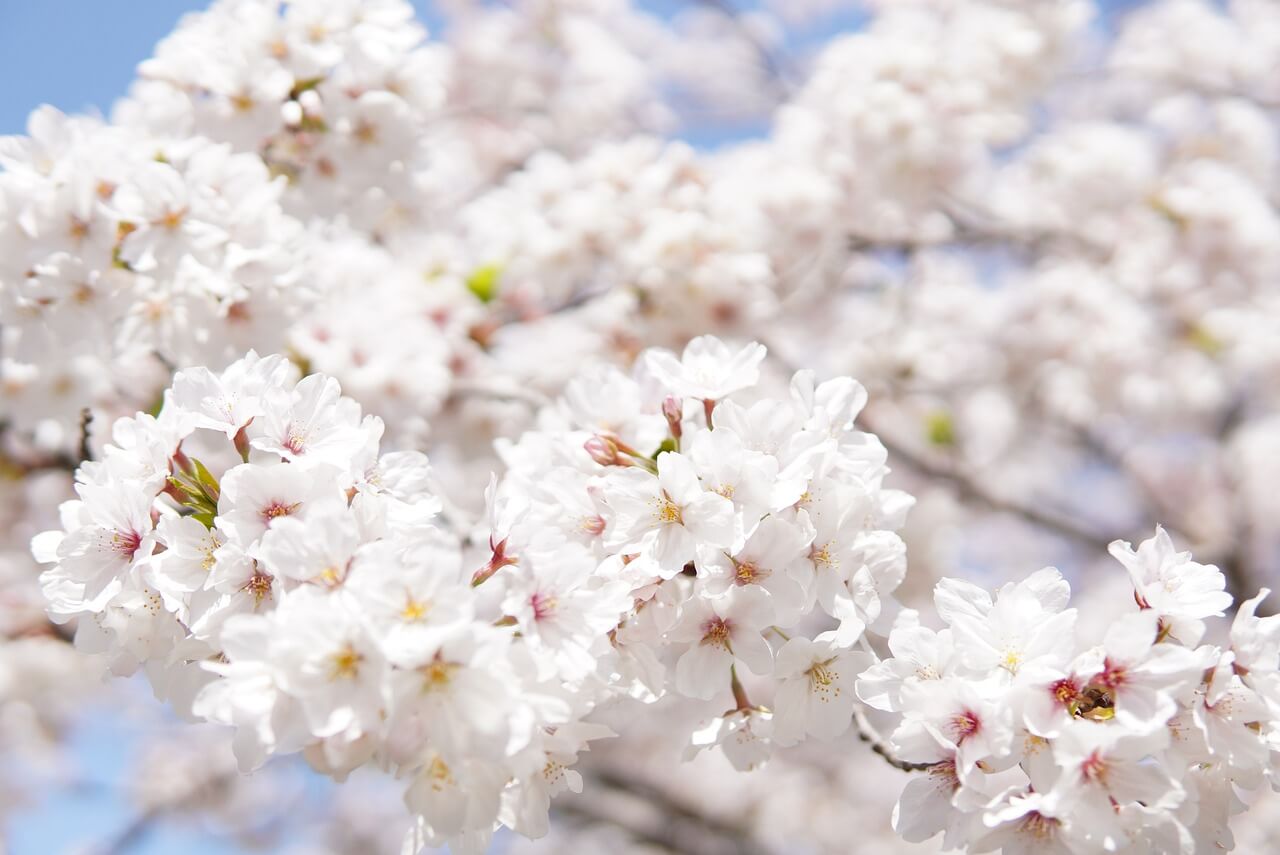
(121, 254)
(1047, 246)
(662, 533)
(1039, 737)
(335, 95)
(754, 537)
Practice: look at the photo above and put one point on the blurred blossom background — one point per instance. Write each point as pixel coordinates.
(1043, 234)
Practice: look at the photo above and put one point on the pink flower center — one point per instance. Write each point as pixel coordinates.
(1065, 690)
(543, 606)
(126, 543)
(748, 572)
(1039, 827)
(295, 439)
(716, 632)
(964, 724)
(278, 509)
(1094, 768)
(1113, 675)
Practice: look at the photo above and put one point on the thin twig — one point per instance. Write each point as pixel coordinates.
(131, 834)
(86, 420)
(654, 816)
(971, 488)
(868, 734)
(774, 64)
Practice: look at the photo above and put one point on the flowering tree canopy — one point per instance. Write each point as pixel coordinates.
(414, 406)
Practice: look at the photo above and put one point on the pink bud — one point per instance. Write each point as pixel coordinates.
(672, 410)
(602, 451)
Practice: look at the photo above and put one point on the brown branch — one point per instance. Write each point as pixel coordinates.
(868, 734)
(86, 420)
(131, 834)
(1237, 564)
(653, 816)
(971, 488)
(774, 64)
(977, 229)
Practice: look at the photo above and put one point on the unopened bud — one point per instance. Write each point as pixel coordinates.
(673, 411)
(291, 113)
(310, 102)
(602, 451)
(241, 441)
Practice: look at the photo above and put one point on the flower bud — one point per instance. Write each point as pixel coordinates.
(603, 451)
(672, 411)
(291, 113)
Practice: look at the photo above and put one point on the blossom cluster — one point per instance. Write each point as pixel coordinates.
(668, 532)
(1044, 236)
(1039, 736)
(121, 254)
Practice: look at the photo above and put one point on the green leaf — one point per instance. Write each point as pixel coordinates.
(313, 124)
(300, 86)
(940, 429)
(483, 282)
(668, 444)
(117, 261)
(197, 492)
(209, 485)
(304, 365)
(1204, 341)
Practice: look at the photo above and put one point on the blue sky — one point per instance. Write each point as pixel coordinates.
(80, 55)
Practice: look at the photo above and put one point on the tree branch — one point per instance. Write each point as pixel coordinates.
(868, 734)
(653, 816)
(971, 488)
(772, 62)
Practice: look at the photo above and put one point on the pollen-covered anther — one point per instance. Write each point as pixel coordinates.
(125, 543)
(172, 218)
(332, 576)
(440, 774)
(669, 512)
(822, 557)
(1011, 660)
(1065, 690)
(345, 664)
(716, 632)
(963, 725)
(1040, 827)
(822, 681)
(414, 610)
(748, 572)
(295, 439)
(278, 509)
(259, 585)
(437, 674)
